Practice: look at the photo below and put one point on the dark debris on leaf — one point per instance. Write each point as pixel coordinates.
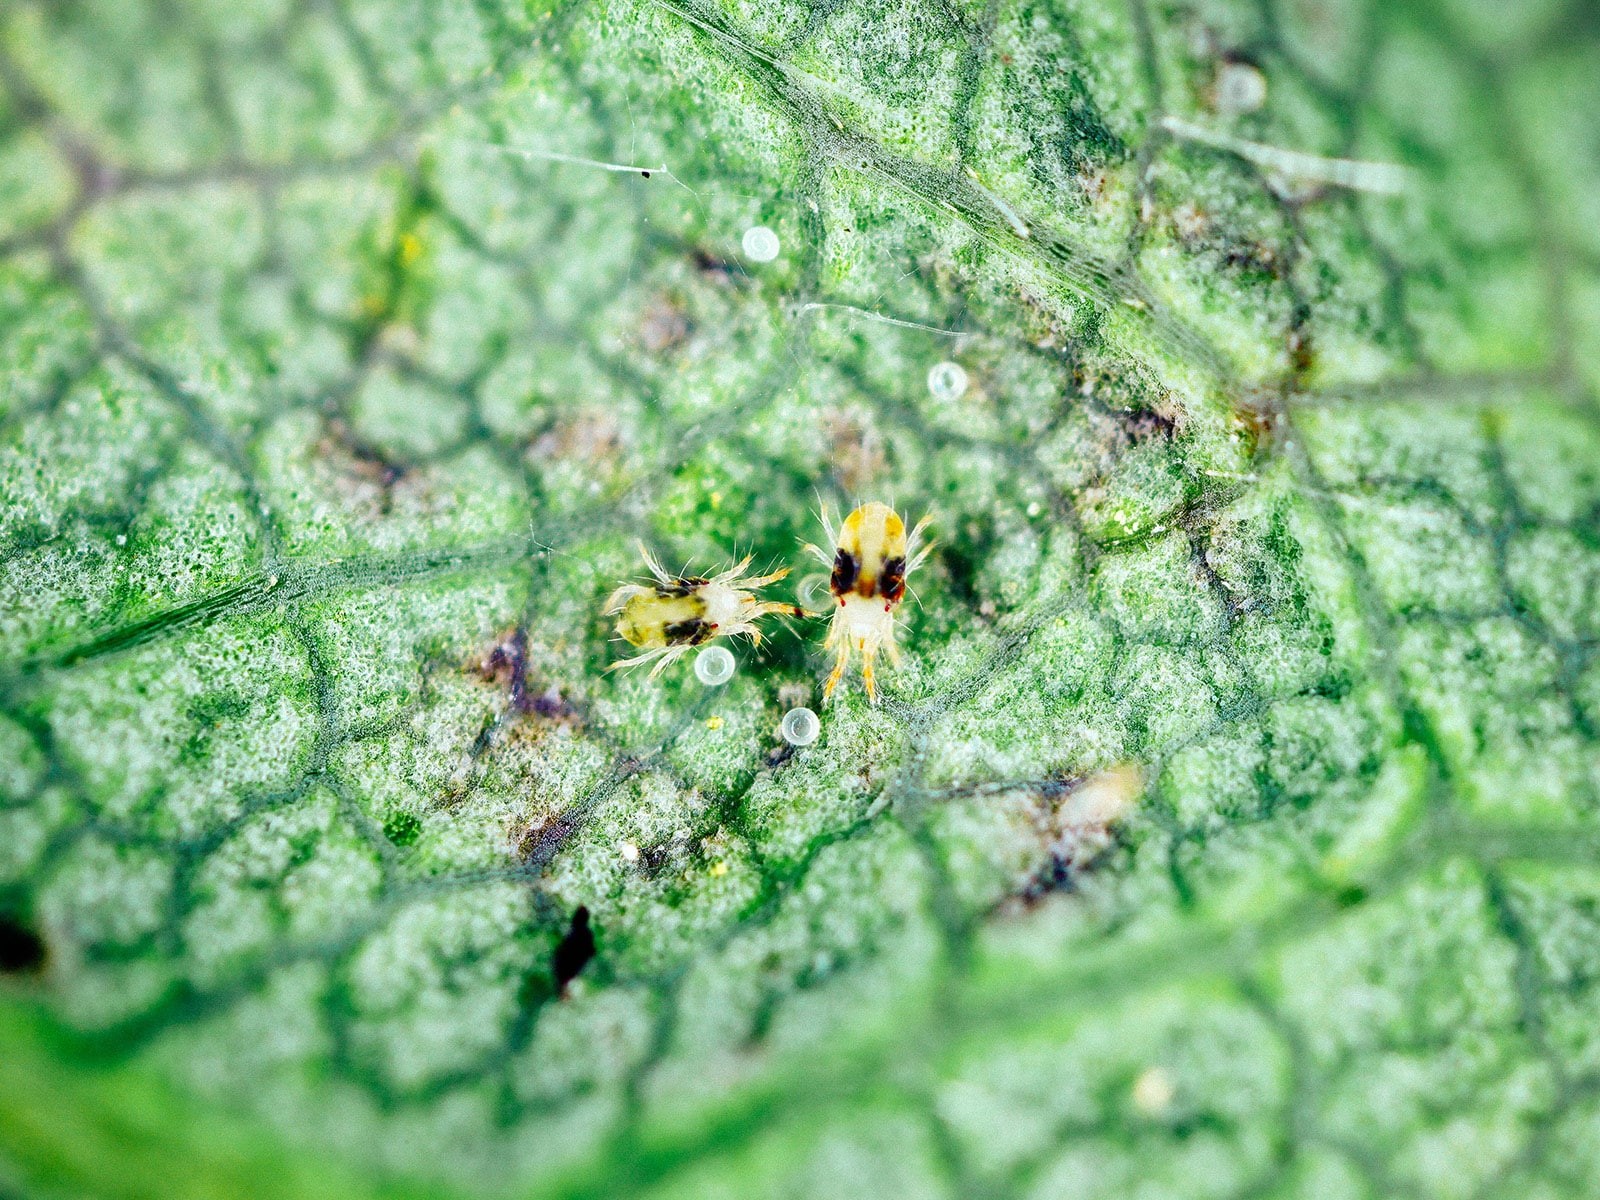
(575, 949)
(22, 950)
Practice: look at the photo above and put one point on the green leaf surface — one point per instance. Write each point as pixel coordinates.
(1230, 827)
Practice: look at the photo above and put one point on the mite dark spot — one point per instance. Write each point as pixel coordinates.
(680, 588)
(575, 950)
(549, 703)
(21, 949)
(646, 174)
(845, 570)
(892, 583)
(690, 632)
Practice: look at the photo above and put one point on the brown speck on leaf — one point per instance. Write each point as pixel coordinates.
(1258, 417)
(1149, 425)
(1302, 355)
(591, 439)
(855, 451)
(663, 327)
(372, 472)
(507, 665)
(716, 269)
(1093, 184)
(1045, 325)
(793, 695)
(1074, 818)
(1190, 220)
(1253, 258)
(537, 842)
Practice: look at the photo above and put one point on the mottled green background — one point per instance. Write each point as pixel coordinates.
(1281, 498)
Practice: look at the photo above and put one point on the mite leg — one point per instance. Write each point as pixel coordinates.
(777, 606)
(733, 572)
(823, 556)
(669, 655)
(655, 566)
(618, 599)
(840, 661)
(891, 647)
(639, 660)
(868, 654)
(919, 552)
(763, 580)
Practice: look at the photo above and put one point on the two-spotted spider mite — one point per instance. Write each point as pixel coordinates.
(671, 616)
(871, 558)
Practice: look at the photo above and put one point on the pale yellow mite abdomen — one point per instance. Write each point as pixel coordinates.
(651, 620)
(673, 614)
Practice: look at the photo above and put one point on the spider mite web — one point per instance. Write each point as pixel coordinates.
(1230, 828)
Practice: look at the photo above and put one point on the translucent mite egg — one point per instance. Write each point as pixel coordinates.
(800, 727)
(813, 591)
(1241, 88)
(947, 381)
(760, 244)
(714, 665)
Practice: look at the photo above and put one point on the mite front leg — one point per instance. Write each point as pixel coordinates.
(825, 557)
(763, 580)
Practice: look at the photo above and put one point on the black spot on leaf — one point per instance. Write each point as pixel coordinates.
(21, 949)
(575, 950)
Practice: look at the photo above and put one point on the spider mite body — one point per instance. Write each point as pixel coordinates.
(871, 558)
(675, 613)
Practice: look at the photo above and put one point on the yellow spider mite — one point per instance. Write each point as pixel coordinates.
(668, 618)
(872, 556)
